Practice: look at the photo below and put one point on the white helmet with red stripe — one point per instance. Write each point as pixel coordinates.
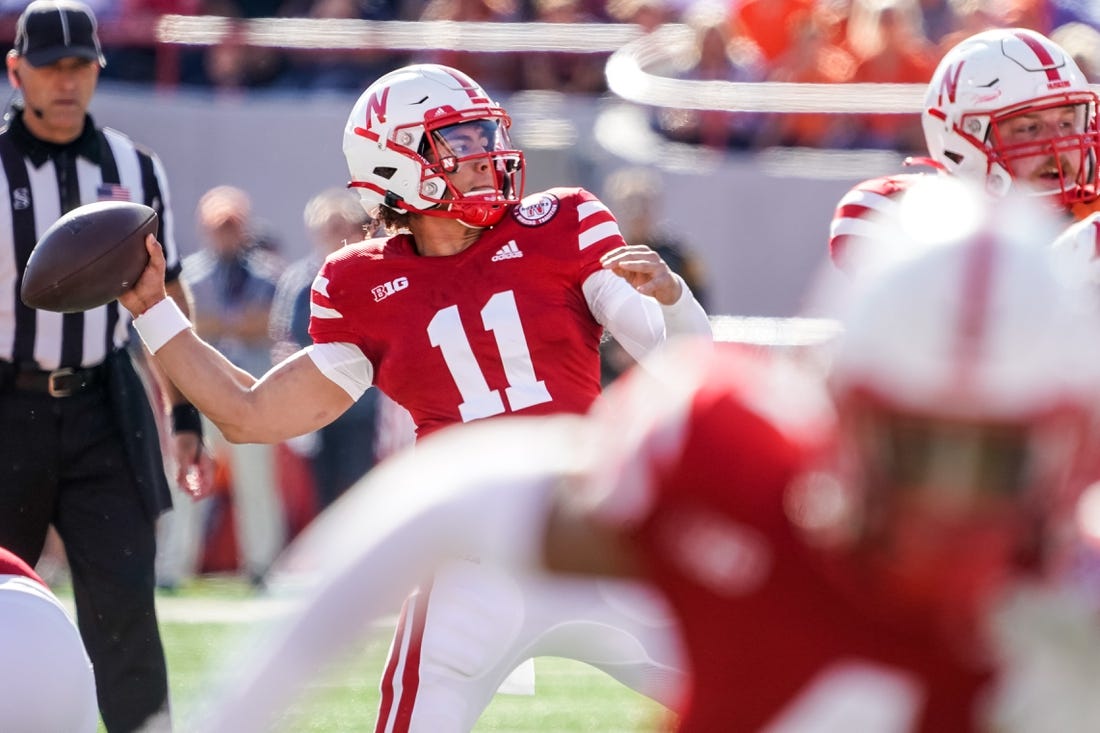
(398, 153)
(1001, 74)
(963, 378)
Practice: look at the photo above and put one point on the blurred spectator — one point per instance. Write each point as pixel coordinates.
(717, 58)
(888, 38)
(773, 25)
(344, 449)
(1082, 42)
(232, 65)
(570, 73)
(233, 282)
(1034, 14)
(938, 17)
(497, 72)
(971, 17)
(635, 196)
(130, 56)
(320, 69)
(816, 57)
(648, 14)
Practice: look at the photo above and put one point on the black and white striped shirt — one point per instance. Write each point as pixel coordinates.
(41, 182)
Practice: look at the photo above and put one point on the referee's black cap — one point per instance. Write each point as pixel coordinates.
(51, 30)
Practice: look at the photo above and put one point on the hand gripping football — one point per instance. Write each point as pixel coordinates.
(89, 257)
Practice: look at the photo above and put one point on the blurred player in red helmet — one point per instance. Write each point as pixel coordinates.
(482, 303)
(46, 681)
(884, 560)
(1008, 109)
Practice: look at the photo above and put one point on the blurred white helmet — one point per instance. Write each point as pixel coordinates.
(966, 377)
(972, 319)
(999, 74)
(398, 152)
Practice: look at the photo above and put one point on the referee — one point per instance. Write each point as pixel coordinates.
(80, 447)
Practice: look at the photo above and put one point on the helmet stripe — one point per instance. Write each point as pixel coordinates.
(975, 305)
(1042, 54)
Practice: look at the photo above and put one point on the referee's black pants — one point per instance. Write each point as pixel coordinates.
(62, 461)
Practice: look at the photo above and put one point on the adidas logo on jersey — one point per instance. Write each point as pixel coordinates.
(509, 251)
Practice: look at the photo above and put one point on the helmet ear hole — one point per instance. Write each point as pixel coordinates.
(385, 172)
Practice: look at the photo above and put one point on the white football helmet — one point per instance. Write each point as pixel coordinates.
(965, 377)
(996, 75)
(398, 154)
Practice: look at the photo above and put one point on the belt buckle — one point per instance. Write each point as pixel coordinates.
(52, 386)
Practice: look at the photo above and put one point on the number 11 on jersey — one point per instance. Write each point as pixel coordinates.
(501, 317)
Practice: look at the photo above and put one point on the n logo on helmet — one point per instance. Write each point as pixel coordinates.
(376, 109)
(949, 85)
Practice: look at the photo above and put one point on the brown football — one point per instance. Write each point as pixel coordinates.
(89, 257)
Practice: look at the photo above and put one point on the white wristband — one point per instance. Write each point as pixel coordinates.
(160, 323)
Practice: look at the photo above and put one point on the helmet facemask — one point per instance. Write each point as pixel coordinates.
(448, 149)
(447, 145)
(1021, 142)
(414, 141)
(980, 495)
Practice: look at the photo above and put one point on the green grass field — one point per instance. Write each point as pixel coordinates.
(569, 696)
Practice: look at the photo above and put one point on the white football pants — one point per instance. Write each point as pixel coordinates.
(46, 681)
(455, 644)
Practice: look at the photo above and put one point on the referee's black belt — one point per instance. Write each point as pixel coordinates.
(63, 382)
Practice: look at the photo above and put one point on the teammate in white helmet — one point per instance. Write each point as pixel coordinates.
(886, 560)
(482, 303)
(1008, 109)
(46, 681)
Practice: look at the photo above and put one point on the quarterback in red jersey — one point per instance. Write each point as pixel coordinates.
(1008, 109)
(481, 303)
(524, 302)
(46, 681)
(878, 551)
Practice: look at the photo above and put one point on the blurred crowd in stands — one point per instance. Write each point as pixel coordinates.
(737, 40)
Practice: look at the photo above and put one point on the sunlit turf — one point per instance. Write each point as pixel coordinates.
(569, 696)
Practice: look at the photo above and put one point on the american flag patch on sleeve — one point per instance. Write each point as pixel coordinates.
(112, 192)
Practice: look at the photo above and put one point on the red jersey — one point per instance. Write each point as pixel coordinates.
(854, 220)
(12, 564)
(780, 636)
(501, 327)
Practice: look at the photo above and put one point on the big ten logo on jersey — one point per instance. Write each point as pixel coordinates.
(385, 290)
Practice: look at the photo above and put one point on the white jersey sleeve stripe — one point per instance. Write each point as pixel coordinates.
(869, 199)
(855, 227)
(587, 208)
(320, 311)
(598, 233)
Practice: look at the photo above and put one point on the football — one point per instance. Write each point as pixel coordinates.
(89, 257)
